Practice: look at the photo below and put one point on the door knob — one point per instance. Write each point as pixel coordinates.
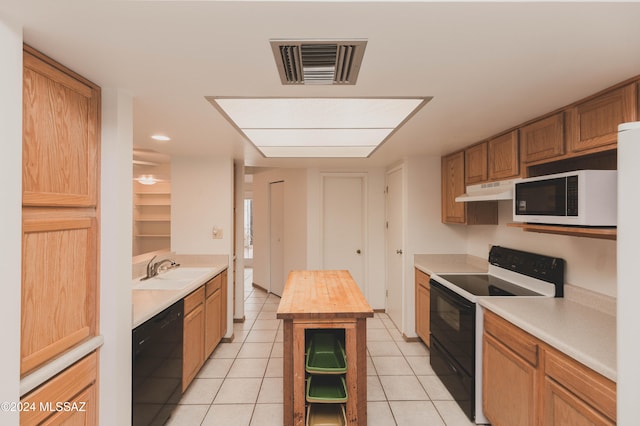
(399, 251)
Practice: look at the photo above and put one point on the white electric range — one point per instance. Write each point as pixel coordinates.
(456, 321)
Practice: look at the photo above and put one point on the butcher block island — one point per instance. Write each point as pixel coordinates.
(325, 335)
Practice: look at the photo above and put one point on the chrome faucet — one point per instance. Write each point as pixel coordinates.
(154, 268)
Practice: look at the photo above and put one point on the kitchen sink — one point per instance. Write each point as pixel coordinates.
(174, 279)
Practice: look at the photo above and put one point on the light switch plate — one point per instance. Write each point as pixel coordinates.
(216, 233)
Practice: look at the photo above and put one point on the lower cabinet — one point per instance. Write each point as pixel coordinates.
(212, 315)
(509, 397)
(70, 398)
(422, 305)
(527, 382)
(193, 343)
(205, 323)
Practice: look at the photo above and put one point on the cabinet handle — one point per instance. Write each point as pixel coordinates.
(399, 251)
(358, 251)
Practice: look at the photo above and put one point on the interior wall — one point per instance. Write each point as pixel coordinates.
(11, 223)
(424, 231)
(295, 219)
(590, 263)
(201, 198)
(115, 256)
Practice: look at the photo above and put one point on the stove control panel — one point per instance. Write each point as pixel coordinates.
(545, 268)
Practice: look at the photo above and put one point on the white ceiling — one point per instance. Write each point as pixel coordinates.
(488, 66)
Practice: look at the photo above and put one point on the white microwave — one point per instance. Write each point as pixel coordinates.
(582, 197)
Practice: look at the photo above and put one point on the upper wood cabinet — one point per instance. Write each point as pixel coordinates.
(475, 164)
(453, 186)
(543, 139)
(60, 135)
(503, 157)
(60, 254)
(594, 123)
(59, 284)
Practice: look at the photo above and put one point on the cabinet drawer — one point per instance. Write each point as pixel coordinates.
(63, 387)
(512, 337)
(596, 390)
(213, 285)
(193, 300)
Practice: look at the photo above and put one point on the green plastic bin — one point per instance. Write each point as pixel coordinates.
(326, 354)
(324, 389)
(326, 415)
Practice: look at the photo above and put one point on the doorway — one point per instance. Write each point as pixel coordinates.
(344, 224)
(276, 237)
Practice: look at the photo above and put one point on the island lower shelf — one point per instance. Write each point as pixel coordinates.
(323, 300)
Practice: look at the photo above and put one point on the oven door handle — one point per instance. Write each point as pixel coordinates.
(451, 296)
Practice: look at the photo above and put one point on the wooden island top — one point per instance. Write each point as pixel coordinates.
(323, 300)
(322, 295)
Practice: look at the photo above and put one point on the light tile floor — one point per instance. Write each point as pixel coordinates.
(241, 383)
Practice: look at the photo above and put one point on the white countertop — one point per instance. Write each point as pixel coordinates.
(147, 303)
(583, 333)
(451, 263)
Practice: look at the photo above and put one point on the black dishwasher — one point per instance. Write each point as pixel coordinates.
(157, 367)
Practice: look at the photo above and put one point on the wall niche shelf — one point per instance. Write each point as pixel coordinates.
(605, 233)
(151, 217)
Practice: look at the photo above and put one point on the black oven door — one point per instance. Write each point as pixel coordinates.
(452, 324)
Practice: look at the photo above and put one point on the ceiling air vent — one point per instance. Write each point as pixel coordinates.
(318, 61)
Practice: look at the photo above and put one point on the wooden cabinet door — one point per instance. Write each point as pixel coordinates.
(586, 391)
(594, 123)
(60, 135)
(503, 157)
(59, 284)
(452, 186)
(510, 373)
(564, 408)
(509, 386)
(75, 385)
(475, 164)
(543, 139)
(193, 338)
(212, 334)
(422, 305)
(223, 304)
(81, 411)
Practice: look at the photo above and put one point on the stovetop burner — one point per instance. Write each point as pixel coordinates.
(487, 285)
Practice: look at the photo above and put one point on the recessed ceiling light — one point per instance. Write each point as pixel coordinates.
(161, 138)
(318, 127)
(147, 180)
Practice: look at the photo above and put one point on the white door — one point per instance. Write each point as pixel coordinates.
(343, 224)
(395, 247)
(276, 237)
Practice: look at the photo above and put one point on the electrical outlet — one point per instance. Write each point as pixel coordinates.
(216, 233)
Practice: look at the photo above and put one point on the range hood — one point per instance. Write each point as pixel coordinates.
(491, 191)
